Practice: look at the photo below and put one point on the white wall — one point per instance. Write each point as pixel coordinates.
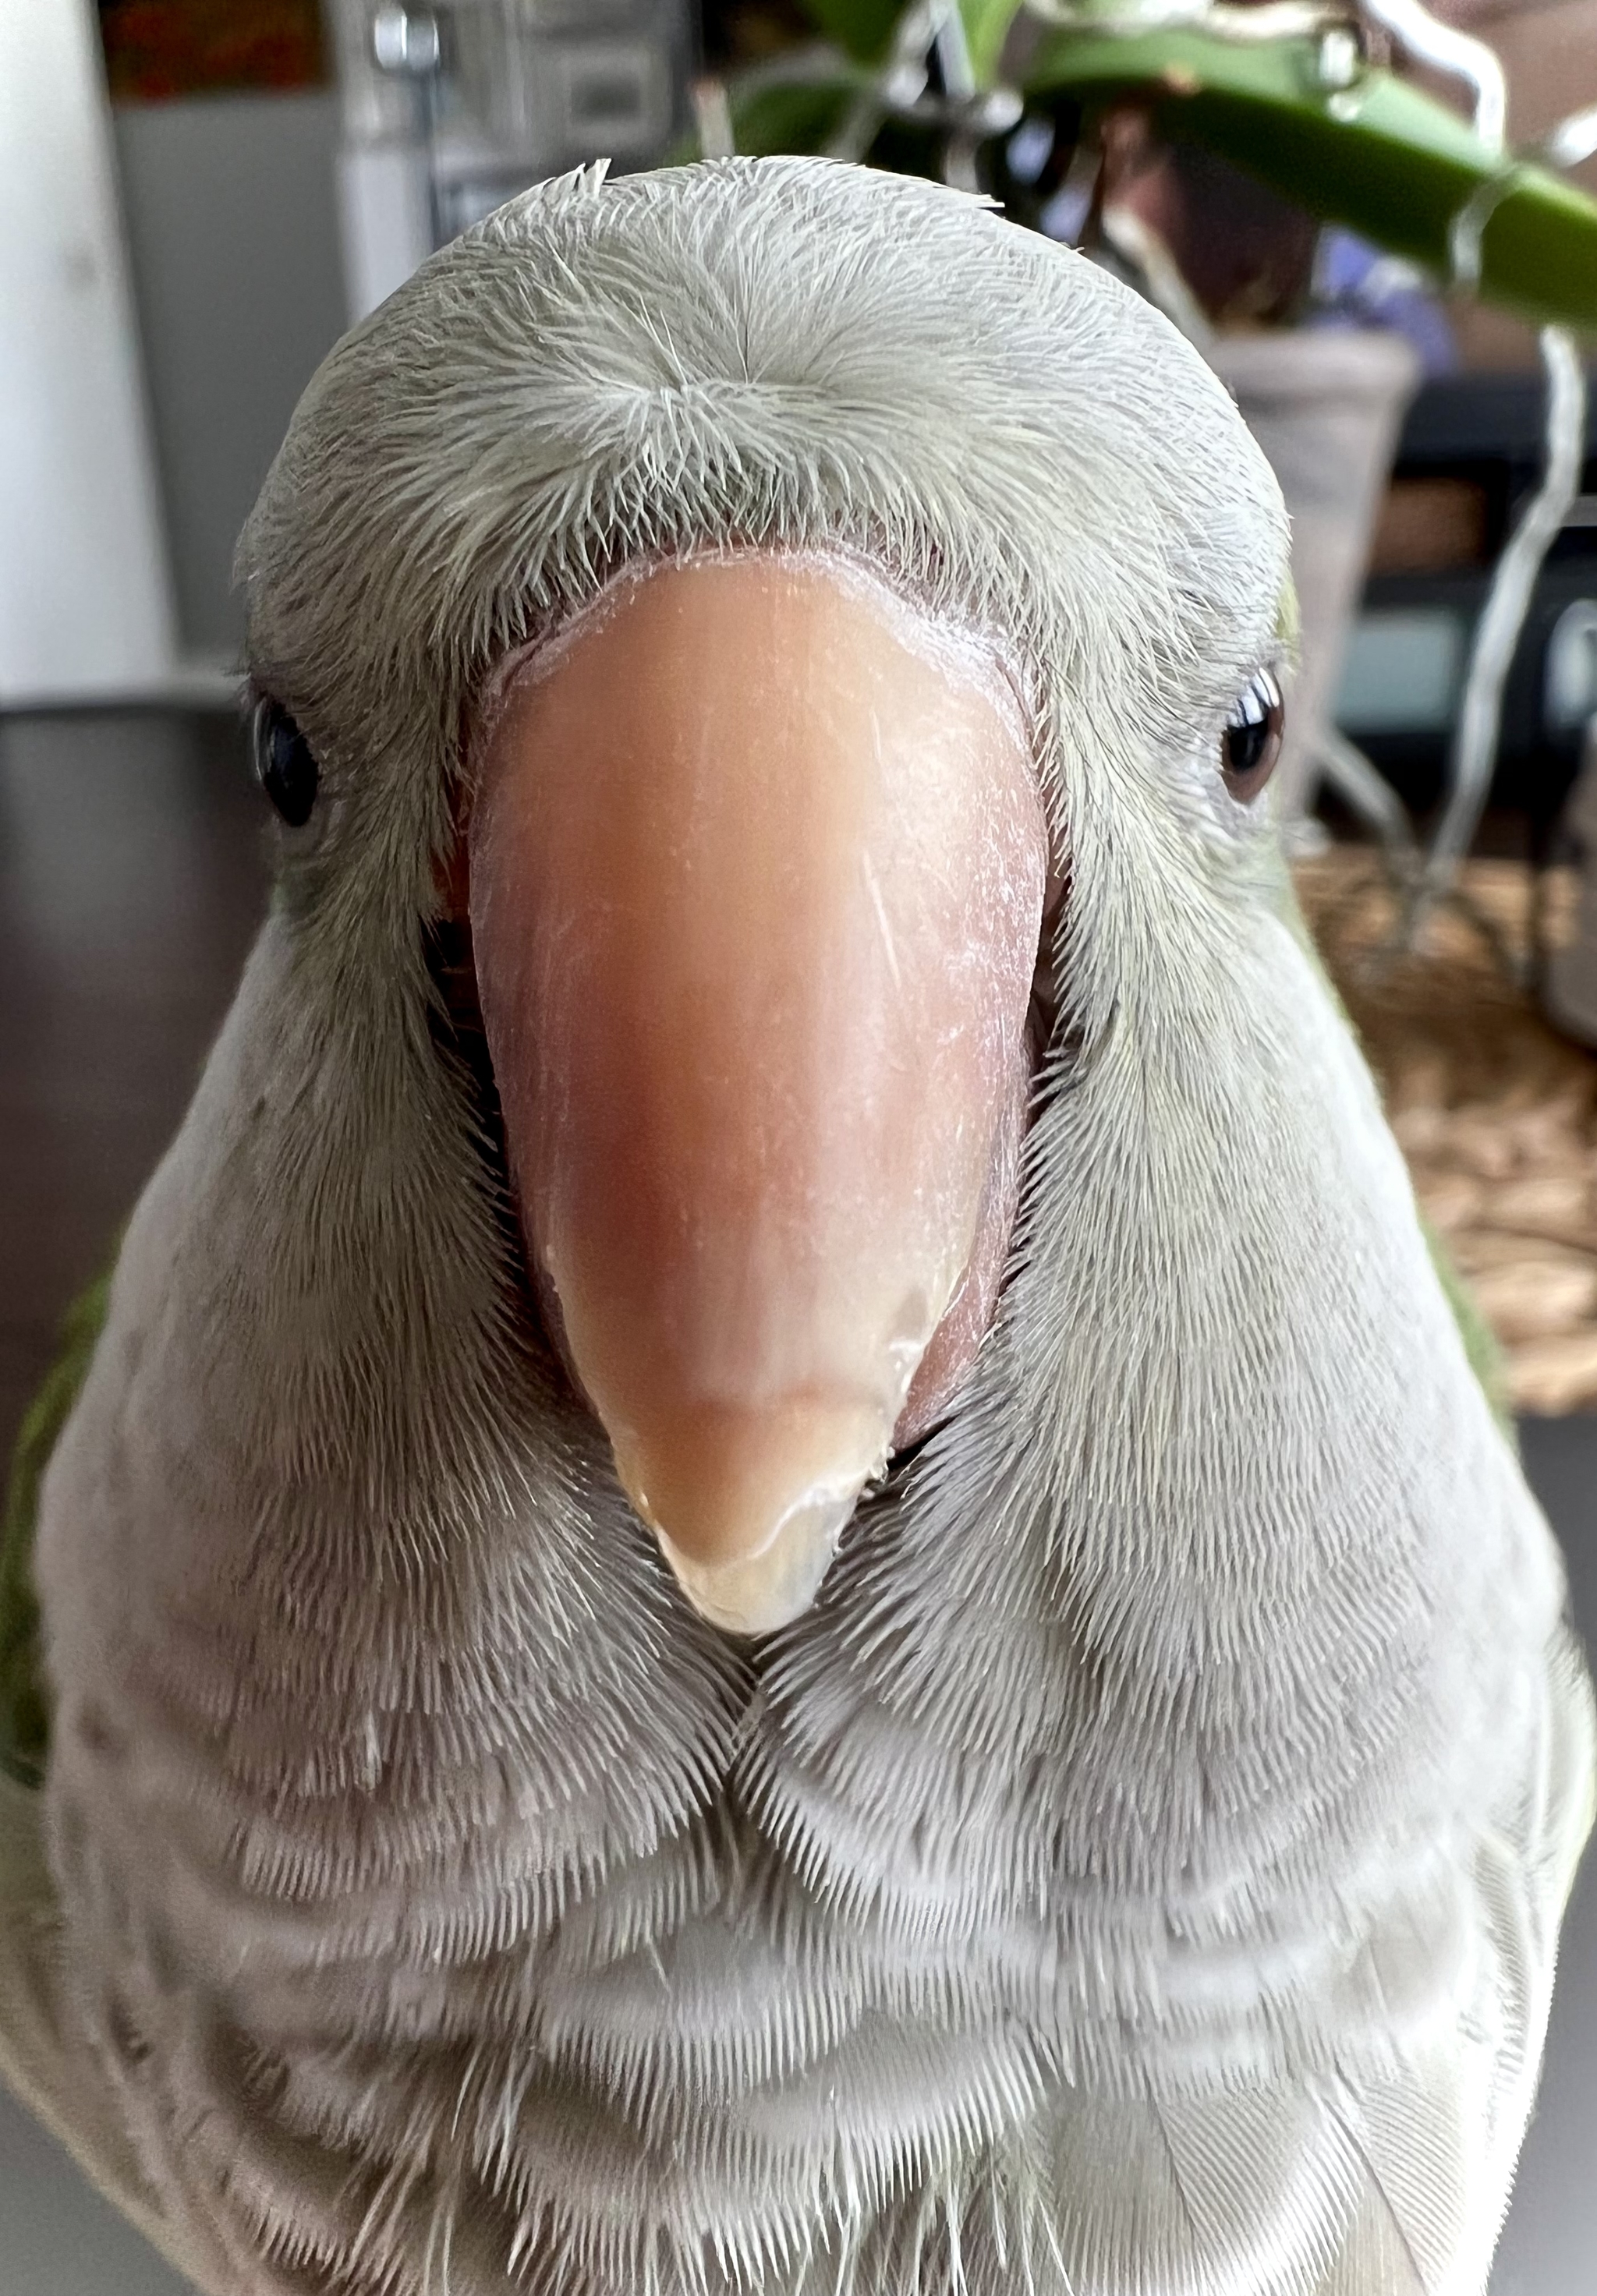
(85, 595)
(231, 213)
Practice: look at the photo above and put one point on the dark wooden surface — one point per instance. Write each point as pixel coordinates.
(132, 879)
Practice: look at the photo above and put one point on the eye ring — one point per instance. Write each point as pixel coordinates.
(283, 764)
(1251, 743)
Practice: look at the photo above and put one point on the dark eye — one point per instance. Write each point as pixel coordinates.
(284, 765)
(1252, 737)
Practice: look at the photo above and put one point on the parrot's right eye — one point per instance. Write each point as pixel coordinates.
(283, 764)
(1252, 742)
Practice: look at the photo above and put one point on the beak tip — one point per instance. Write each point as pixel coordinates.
(749, 1504)
(755, 1594)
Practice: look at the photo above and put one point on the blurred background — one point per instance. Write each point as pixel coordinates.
(1374, 220)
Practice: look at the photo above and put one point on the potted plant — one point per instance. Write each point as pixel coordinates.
(1299, 95)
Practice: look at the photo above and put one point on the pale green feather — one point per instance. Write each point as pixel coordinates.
(24, 1696)
(1480, 1343)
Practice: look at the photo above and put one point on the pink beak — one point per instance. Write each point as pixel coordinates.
(757, 862)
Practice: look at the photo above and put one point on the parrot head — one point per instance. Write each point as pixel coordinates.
(726, 645)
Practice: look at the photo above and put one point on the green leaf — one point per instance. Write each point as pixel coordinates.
(1480, 1342)
(24, 1698)
(800, 117)
(986, 28)
(862, 28)
(1386, 160)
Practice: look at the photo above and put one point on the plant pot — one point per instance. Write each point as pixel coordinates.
(1325, 404)
(1570, 980)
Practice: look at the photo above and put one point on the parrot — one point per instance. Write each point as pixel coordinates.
(781, 1571)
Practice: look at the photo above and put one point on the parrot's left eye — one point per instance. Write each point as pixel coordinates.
(282, 760)
(1252, 737)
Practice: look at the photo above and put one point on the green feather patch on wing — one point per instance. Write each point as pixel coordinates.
(24, 1698)
(1480, 1343)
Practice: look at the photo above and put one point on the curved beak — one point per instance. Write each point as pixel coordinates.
(757, 861)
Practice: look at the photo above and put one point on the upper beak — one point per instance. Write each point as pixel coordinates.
(756, 862)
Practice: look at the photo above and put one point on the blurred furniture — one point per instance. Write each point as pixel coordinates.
(1569, 989)
(1468, 456)
(448, 110)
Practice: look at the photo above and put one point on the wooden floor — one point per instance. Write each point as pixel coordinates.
(131, 881)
